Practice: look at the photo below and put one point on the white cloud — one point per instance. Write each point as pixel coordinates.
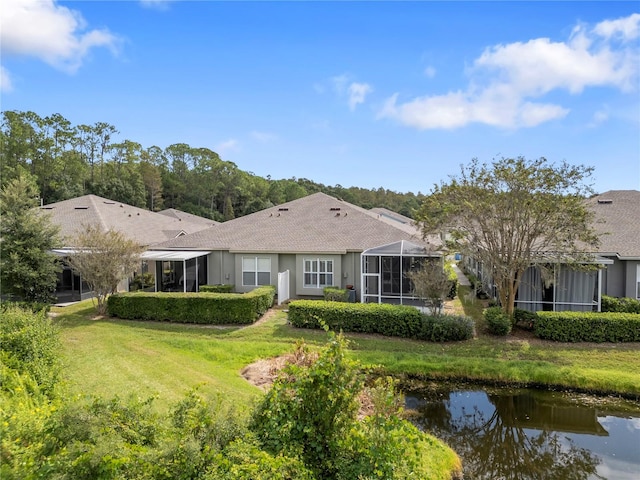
(507, 80)
(357, 94)
(5, 80)
(599, 117)
(52, 33)
(227, 145)
(156, 4)
(263, 136)
(429, 72)
(354, 91)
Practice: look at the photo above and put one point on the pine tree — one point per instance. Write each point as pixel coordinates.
(28, 268)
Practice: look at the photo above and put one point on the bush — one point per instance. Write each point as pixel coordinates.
(524, 318)
(204, 308)
(384, 319)
(335, 294)
(621, 305)
(588, 326)
(498, 321)
(453, 281)
(30, 346)
(446, 328)
(220, 288)
(389, 320)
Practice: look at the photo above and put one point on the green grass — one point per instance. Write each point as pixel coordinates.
(108, 357)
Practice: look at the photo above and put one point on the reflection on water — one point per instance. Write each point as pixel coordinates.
(530, 434)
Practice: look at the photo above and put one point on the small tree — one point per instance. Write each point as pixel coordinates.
(509, 213)
(28, 268)
(431, 283)
(103, 259)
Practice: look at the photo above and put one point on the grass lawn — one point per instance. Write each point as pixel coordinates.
(119, 357)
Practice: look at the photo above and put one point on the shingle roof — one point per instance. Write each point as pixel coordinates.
(188, 217)
(317, 223)
(618, 219)
(144, 227)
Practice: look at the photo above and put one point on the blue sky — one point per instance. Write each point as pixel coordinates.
(370, 94)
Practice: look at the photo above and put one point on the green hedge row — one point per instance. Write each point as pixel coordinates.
(205, 308)
(384, 319)
(220, 288)
(336, 294)
(622, 305)
(588, 326)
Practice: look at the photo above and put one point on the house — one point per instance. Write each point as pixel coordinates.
(318, 239)
(144, 227)
(618, 222)
(188, 217)
(559, 287)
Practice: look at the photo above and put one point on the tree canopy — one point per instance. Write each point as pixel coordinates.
(28, 269)
(511, 213)
(69, 160)
(103, 259)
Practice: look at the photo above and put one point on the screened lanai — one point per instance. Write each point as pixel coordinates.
(385, 268)
(178, 271)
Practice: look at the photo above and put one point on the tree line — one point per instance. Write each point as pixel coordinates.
(69, 160)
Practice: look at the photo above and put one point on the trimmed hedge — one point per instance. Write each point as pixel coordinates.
(588, 327)
(204, 308)
(379, 318)
(220, 288)
(498, 322)
(622, 305)
(336, 294)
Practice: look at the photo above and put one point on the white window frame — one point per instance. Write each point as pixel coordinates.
(259, 266)
(318, 268)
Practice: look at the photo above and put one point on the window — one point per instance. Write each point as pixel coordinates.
(638, 283)
(256, 271)
(318, 273)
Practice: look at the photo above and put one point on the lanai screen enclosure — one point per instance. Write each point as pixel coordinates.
(385, 268)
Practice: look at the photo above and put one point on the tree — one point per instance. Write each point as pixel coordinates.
(103, 259)
(431, 283)
(28, 268)
(509, 213)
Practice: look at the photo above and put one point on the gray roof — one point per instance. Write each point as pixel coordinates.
(188, 217)
(618, 220)
(392, 215)
(317, 223)
(144, 227)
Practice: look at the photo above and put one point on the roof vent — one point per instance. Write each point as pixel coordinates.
(283, 209)
(605, 201)
(109, 203)
(334, 209)
(81, 208)
(47, 208)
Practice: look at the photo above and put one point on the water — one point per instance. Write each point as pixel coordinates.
(531, 434)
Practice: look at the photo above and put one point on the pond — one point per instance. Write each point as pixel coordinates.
(532, 434)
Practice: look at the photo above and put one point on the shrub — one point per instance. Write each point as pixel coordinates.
(588, 326)
(220, 288)
(621, 305)
(524, 318)
(384, 319)
(335, 294)
(453, 281)
(498, 322)
(446, 328)
(205, 308)
(30, 346)
(389, 320)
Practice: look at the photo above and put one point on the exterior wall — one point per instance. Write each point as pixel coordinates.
(614, 279)
(351, 267)
(221, 266)
(239, 288)
(300, 290)
(631, 278)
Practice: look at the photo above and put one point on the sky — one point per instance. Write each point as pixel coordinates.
(372, 94)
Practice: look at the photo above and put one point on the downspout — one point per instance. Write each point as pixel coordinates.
(599, 290)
